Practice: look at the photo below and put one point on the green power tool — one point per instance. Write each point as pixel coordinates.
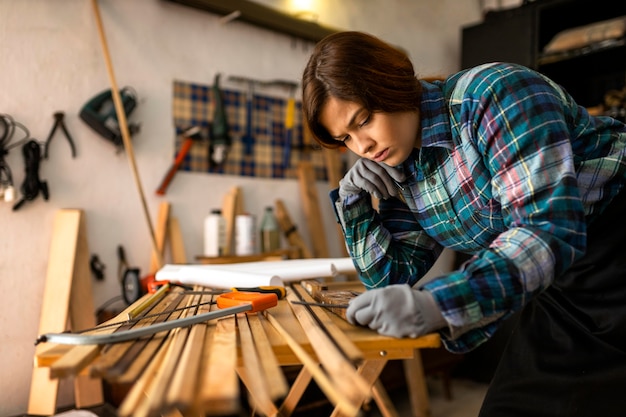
(99, 114)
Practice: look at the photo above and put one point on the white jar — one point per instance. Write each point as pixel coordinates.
(214, 233)
(245, 235)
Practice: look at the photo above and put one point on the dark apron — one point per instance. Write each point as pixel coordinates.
(567, 356)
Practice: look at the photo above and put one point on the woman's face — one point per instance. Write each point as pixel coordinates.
(382, 137)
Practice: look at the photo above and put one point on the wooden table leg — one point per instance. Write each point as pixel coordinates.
(370, 370)
(416, 382)
(296, 392)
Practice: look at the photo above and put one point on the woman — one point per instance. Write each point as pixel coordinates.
(500, 163)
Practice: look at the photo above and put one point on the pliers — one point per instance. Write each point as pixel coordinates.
(58, 121)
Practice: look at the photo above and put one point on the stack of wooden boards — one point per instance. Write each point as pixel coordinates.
(196, 370)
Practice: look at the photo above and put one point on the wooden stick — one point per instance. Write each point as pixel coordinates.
(162, 227)
(322, 380)
(277, 384)
(252, 374)
(166, 374)
(298, 387)
(182, 391)
(123, 123)
(290, 230)
(340, 369)
(219, 387)
(116, 359)
(345, 344)
(140, 389)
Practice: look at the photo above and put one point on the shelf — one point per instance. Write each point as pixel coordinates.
(263, 16)
(606, 45)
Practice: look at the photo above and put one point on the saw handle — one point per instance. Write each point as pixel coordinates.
(258, 301)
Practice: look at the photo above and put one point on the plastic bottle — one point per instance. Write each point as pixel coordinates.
(214, 233)
(245, 234)
(270, 235)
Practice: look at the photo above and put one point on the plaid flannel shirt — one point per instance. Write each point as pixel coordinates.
(510, 170)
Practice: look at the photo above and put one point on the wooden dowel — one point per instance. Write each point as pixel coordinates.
(123, 123)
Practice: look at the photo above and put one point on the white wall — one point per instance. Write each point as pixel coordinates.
(51, 60)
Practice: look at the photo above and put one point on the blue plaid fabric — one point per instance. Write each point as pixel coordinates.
(511, 170)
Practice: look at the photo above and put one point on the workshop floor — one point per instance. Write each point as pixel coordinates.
(467, 397)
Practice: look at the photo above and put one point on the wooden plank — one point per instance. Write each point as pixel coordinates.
(251, 372)
(342, 372)
(182, 391)
(87, 390)
(276, 381)
(158, 403)
(219, 386)
(231, 207)
(134, 403)
(160, 235)
(346, 345)
(116, 358)
(324, 382)
(177, 243)
(310, 202)
(335, 172)
(68, 250)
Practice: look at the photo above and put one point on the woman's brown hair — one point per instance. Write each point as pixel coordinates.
(357, 67)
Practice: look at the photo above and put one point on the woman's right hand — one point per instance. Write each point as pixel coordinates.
(380, 180)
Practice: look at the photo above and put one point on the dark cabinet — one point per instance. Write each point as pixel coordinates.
(522, 34)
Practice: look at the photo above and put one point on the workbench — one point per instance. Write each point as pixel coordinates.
(196, 370)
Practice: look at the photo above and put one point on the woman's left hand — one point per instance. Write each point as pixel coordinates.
(396, 311)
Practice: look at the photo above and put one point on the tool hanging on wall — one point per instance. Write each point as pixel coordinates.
(131, 283)
(247, 138)
(220, 138)
(32, 185)
(290, 114)
(100, 114)
(7, 131)
(58, 121)
(189, 137)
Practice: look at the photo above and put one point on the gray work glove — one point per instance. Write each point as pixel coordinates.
(377, 179)
(396, 311)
